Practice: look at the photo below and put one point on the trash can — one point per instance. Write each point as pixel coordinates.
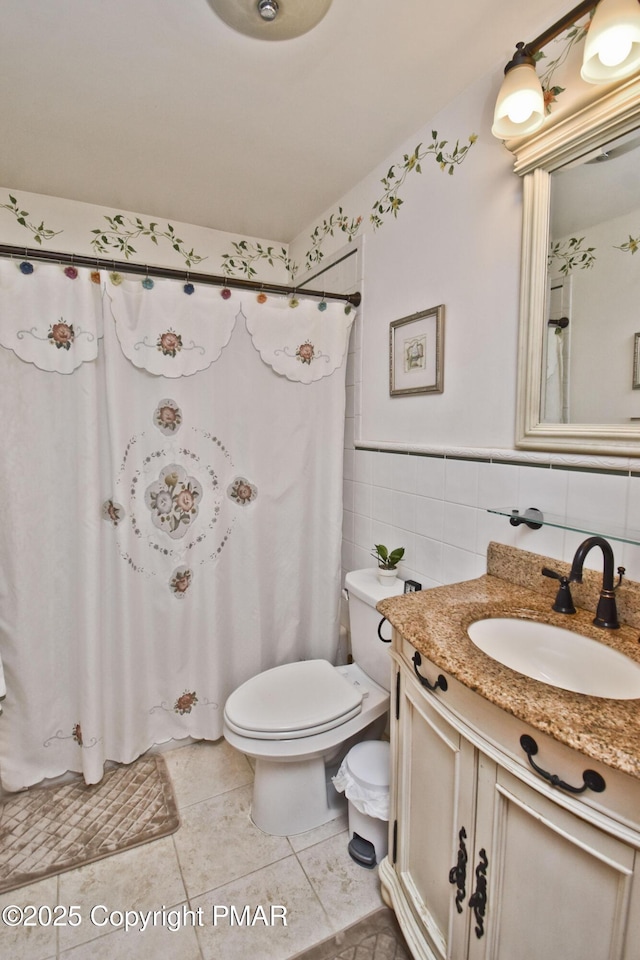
(364, 779)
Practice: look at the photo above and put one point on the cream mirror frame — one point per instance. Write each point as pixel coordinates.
(613, 115)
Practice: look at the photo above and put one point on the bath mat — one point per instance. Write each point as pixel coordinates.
(48, 830)
(377, 937)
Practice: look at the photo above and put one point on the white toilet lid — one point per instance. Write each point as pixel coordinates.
(292, 701)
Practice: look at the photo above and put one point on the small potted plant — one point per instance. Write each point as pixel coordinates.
(387, 561)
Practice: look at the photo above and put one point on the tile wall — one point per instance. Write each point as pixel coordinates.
(436, 506)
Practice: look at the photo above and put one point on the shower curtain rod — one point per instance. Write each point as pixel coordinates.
(99, 263)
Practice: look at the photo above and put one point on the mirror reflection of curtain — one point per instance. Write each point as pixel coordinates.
(173, 509)
(555, 393)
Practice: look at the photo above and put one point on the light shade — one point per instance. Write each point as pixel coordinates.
(520, 104)
(294, 17)
(612, 45)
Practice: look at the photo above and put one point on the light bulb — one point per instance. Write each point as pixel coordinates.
(614, 46)
(520, 107)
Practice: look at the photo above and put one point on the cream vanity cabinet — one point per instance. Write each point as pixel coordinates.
(486, 858)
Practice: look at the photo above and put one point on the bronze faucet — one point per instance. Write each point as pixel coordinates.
(606, 613)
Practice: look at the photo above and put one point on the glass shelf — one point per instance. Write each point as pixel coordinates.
(534, 518)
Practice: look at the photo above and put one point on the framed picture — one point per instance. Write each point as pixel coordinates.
(636, 361)
(416, 353)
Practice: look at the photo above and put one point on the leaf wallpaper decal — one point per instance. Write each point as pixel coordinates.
(247, 254)
(390, 201)
(631, 246)
(568, 255)
(335, 222)
(122, 230)
(39, 232)
(574, 34)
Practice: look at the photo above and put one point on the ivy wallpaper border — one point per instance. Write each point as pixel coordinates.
(121, 231)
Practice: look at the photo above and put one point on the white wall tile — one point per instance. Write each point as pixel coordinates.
(458, 565)
(347, 495)
(446, 539)
(633, 505)
(361, 559)
(542, 488)
(383, 465)
(349, 432)
(404, 473)
(429, 517)
(383, 533)
(498, 485)
(382, 504)
(430, 477)
(461, 482)
(403, 510)
(628, 556)
(547, 541)
(363, 466)
(460, 524)
(362, 531)
(492, 527)
(348, 525)
(348, 466)
(599, 498)
(362, 499)
(428, 558)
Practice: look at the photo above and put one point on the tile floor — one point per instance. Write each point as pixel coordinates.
(217, 858)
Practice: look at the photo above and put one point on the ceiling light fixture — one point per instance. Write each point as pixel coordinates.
(611, 52)
(268, 9)
(271, 19)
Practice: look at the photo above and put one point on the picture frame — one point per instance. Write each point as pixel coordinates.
(416, 353)
(636, 362)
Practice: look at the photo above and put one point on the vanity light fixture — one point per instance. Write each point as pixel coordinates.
(271, 19)
(612, 45)
(611, 52)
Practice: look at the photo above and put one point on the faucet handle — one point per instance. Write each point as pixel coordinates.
(564, 601)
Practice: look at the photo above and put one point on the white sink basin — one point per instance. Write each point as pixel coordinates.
(558, 657)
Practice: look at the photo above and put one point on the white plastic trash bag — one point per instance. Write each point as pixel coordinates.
(364, 778)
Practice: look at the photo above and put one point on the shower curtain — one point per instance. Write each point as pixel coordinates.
(172, 476)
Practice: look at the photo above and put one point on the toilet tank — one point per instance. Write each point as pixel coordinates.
(368, 651)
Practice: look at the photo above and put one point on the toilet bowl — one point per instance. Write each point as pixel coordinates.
(295, 719)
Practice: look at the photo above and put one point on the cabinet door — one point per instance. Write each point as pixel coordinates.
(435, 814)
(556, 886)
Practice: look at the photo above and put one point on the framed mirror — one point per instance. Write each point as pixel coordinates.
(578, 355)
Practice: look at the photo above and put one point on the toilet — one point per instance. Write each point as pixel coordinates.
(297, 719)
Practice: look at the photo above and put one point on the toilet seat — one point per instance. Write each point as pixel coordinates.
(293, 701)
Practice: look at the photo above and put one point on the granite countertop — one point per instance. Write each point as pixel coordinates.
(435, 622)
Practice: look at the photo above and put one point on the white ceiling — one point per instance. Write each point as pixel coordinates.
(158, 107)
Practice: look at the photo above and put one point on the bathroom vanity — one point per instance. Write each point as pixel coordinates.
(490, 857)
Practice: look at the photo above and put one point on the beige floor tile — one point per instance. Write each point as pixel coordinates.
(156, 942)
(303, 840)
(346, 890)
(146, 878)
(217, 842)
(206, 769)
(279, 885)
(29, 942)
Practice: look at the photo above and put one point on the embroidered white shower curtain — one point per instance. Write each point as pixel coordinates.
(172, 521)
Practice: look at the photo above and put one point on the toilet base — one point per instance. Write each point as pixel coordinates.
(290, 798)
